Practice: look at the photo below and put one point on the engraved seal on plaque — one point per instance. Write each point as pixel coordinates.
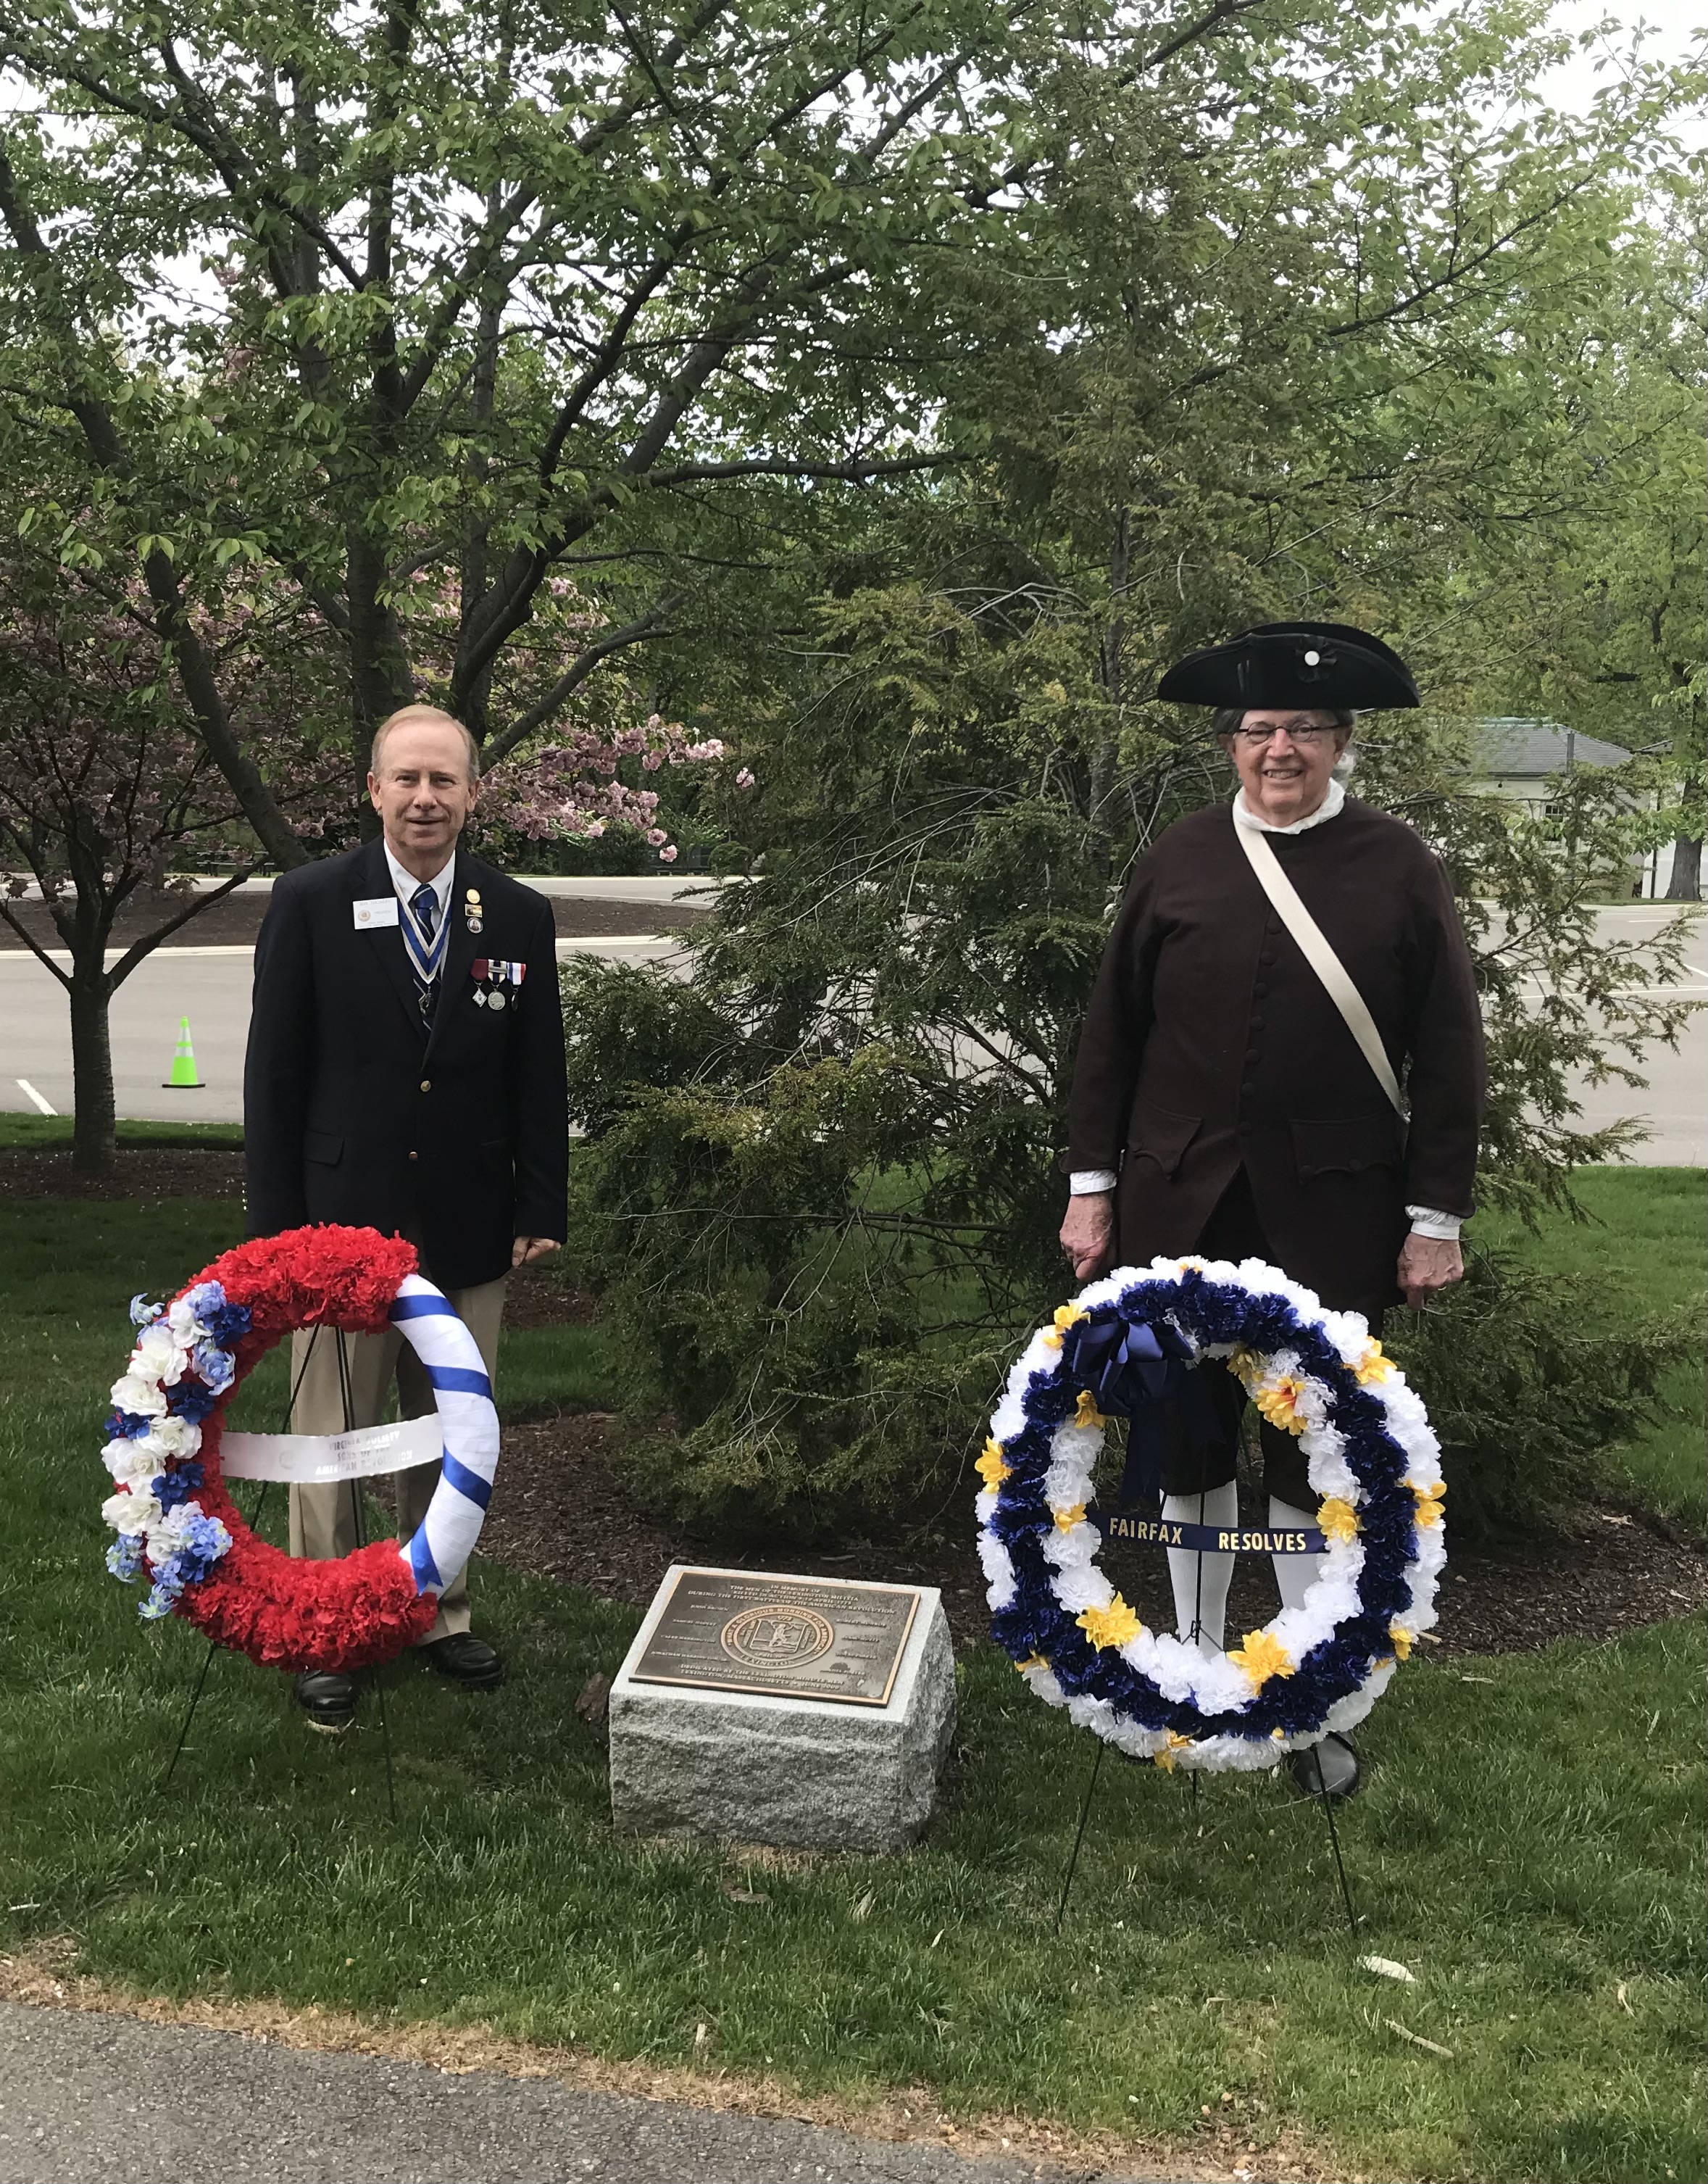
(780, 1637)
(750, 1630)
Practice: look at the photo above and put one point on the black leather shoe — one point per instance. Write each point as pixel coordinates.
(329, 1701)
(1328, 1769)
(466, 1660)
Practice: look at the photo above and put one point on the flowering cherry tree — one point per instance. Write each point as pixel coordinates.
(570, 785)
(572, 788)
(105, 785)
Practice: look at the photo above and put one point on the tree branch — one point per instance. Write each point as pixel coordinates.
(172, 622)
(138, 949)
(223, 154)
(855, 471)
(1226, 11)
(34, 946)
(651, 624)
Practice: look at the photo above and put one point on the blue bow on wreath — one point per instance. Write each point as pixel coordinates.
(1135, 1370)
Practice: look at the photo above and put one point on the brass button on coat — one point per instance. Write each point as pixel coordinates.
(426, 1084)
(415, 1157)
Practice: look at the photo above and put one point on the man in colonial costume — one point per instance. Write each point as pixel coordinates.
(1276, 970)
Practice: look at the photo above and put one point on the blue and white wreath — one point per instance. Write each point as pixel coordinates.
(1371, 1458)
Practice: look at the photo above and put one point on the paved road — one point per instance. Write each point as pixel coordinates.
(211, 987)
(89, 2098)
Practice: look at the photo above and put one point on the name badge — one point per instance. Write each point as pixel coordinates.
(377, 910)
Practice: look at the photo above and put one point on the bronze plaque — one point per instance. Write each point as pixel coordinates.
(786, 1635)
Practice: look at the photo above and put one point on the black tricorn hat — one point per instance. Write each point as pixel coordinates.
(1304, 664)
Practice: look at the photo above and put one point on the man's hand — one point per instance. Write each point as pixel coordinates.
(1428, 1264)
(1087, 1234)
(526, 1249)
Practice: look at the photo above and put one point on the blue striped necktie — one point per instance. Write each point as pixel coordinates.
(424, 941)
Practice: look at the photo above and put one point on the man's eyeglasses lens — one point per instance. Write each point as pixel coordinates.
(1255, 736)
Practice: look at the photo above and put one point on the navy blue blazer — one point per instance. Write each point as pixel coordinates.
(355, 1110)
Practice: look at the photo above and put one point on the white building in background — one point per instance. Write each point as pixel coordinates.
(1515, 757)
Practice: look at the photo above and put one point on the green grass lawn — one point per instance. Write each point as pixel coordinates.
(1644, 1244)
(56, 1130)
(1529, 1844)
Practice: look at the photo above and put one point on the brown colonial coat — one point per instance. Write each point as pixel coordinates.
(1209, 1043)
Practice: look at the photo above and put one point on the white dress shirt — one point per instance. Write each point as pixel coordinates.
(1425, 1220)
(407, 884)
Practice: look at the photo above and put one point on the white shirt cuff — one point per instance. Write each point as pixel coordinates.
(1427, 1222)
(1084, 1182)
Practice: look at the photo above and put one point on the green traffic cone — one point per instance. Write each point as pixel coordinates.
(184, 1077)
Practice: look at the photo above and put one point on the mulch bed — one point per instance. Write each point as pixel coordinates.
(235, 920)
(143, 1171)
(561, 1511)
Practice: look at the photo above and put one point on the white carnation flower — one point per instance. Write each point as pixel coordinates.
(175, 1437)
(185, 1326)
(158, 1356)
(129, 1460)
(136, 1511)
(143, 1399)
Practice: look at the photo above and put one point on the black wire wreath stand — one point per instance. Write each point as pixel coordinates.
(369, 1676)
(1322, 1798)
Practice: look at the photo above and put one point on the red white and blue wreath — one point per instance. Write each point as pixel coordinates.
(178, 1526)
(1126, 1341)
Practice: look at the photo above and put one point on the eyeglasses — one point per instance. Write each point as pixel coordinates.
(1253, 737)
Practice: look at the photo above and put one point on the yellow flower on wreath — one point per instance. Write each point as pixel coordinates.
(1167, 1755)
(1430, 1501)
(1262, 1657)
(1403, 1640)
(1112, 1626)
(1373, 1365)
(1066, 1316)
(992, 1467)
(1066, 1519)
(1338, 1519)
(1031, 1660)
(1280, 1403)
(1086, 1413)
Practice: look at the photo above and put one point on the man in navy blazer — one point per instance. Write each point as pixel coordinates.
(405, 1072)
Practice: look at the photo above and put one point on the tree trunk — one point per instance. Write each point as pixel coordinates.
(1686, 883)
(94, 1140)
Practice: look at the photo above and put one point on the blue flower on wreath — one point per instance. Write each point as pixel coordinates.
(176, 1483)
(168, 1583)
(125, 1556)
(201, 1542)
(192, 1400)
(226, 1323)
(143, 1313)
(215, 1367)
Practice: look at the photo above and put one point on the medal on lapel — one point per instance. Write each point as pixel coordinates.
(471, 908)
(491, 977)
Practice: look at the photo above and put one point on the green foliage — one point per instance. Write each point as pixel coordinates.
(1529, 1386)
(1566, 1002)
(1319, 339)
(819, 1188)
(821, 1195)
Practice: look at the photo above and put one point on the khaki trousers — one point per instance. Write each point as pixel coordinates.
(323, 1518)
